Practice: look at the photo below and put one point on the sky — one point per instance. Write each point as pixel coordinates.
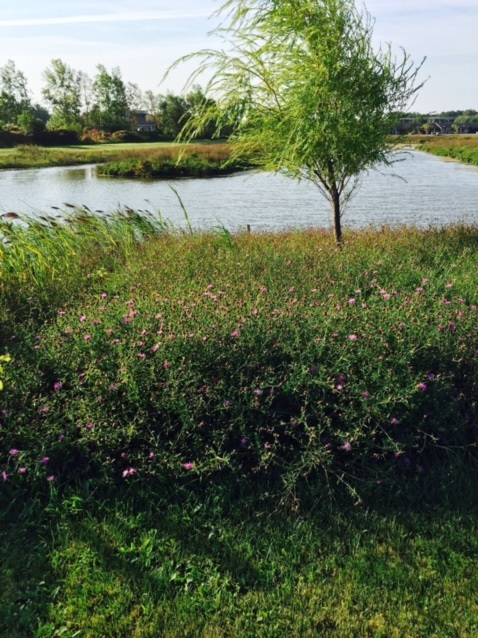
(144, 37)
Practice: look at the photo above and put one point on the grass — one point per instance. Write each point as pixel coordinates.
(191, 161)
(463, 148)
(27, 156)
(193, 568)
(251, 435)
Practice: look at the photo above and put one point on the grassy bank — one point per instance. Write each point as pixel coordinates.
(40, 157)
(191, 161)
(463, 148)
(258, 435)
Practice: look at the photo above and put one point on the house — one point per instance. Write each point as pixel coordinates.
(143, 121)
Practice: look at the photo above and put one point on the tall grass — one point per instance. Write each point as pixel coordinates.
(31, 156)
(43, 259)
(181, 161)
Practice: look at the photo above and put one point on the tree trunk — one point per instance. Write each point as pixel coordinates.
(337, 216)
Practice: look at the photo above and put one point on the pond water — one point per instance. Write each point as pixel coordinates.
(432, 192)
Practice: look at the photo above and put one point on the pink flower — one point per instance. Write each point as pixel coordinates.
(347, 447)
(142, 355)
(4, 476)
(188, 465)
(89, 426)
(131, 471)
(22, 470)
(14, 452)
(166, 365)
(423, 387)
(83, 318)
(51, 478)
(353, 337)
(45, 460)
(234, 333)
(394, 421)
(263, 289)
(57, 385)
(87, 337)
(366, 395)
(352, 302)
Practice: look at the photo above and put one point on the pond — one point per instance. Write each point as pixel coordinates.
(428, 191)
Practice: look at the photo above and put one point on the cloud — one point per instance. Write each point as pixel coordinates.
(140, 16)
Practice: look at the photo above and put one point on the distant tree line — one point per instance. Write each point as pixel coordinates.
(92, 108)
(80, 107)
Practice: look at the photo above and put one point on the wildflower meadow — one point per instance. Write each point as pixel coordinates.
(250, 372)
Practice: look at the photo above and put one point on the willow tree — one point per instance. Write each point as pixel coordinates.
(301, 81)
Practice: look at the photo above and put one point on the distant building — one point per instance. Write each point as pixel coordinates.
(143, 121)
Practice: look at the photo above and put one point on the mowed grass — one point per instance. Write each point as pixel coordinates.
(193, 568)
(153, 485)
